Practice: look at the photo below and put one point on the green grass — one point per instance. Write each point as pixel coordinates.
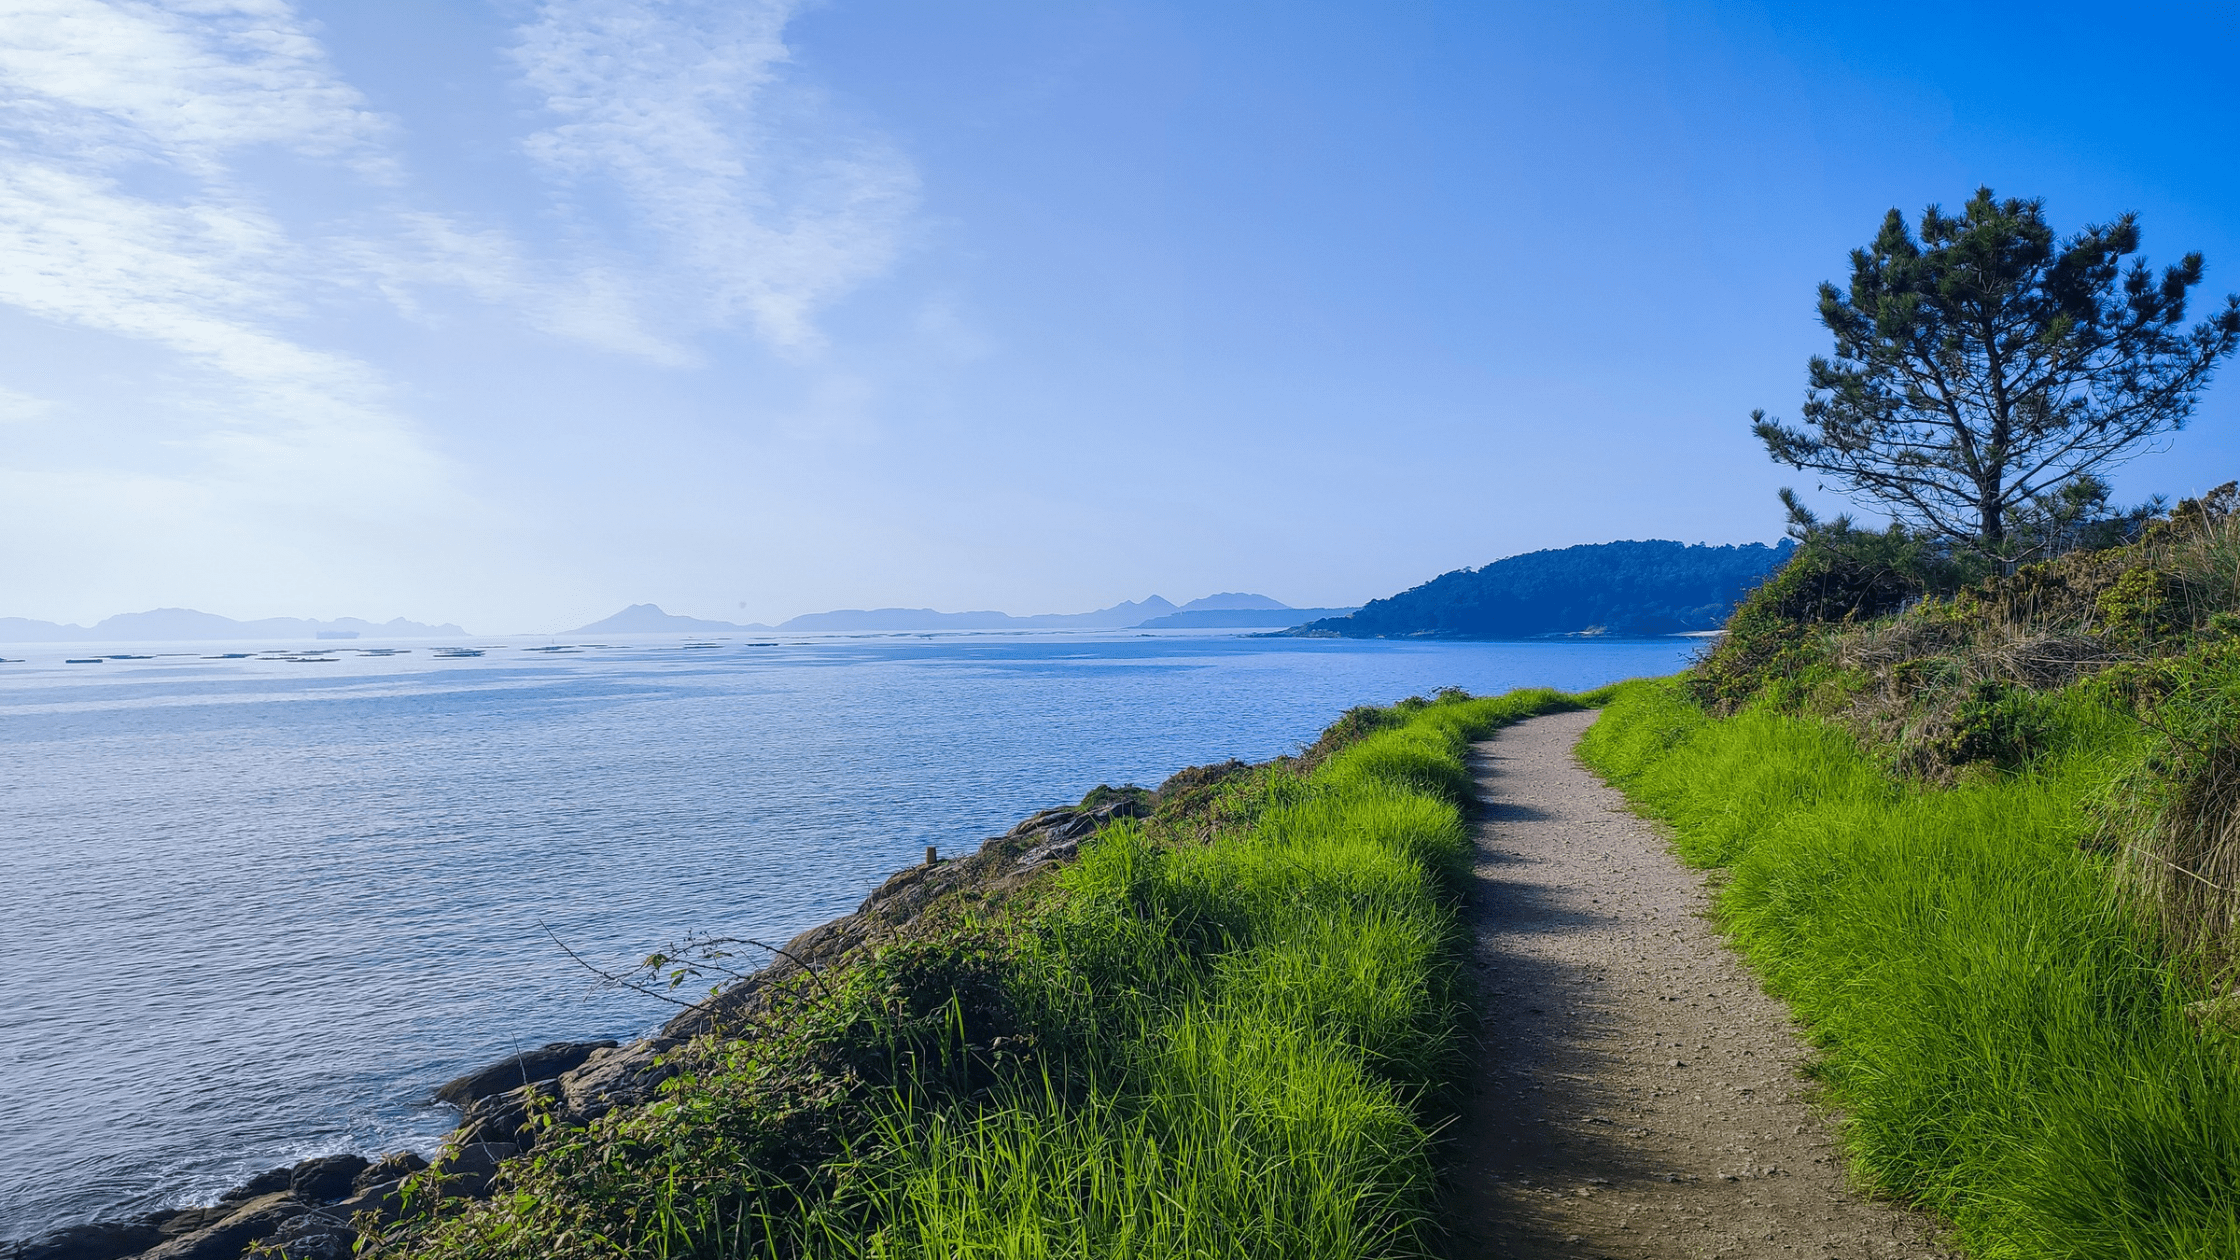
(1226, 1035)
(2008, 1040)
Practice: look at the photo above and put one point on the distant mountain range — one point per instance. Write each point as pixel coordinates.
(1228, 610)
(649, 619)
(1237, 618)
(174, 624)
(1625, 589)
(1119, 616)
(1621, 589)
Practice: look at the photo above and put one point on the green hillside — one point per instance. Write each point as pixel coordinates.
(1986, 842)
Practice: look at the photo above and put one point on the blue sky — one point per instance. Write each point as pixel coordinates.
(512, 313)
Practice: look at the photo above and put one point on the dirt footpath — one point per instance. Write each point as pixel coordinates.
(1638, 1093)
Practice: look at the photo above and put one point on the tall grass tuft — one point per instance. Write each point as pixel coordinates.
(2172, 817)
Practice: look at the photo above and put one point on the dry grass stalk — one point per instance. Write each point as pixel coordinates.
(2177, 839)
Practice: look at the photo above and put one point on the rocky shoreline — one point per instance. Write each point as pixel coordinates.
(312, 1210)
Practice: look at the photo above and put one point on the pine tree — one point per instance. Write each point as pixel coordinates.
(1986, 364)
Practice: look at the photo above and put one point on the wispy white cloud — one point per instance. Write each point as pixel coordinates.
(186, 81)
(762, 207)
(93, 93)
(582, 302)
(199, 277)
(193, 259)
(749, 204)
(168, 179)
(96, 91)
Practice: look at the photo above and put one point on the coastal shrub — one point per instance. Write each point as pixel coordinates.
(1840, 576)
(1229, 1030)
(1940, 666)
(2013, 1047)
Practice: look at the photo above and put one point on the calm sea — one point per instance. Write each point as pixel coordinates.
(253, 909)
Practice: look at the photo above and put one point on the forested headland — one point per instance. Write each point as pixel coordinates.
(1623, 589)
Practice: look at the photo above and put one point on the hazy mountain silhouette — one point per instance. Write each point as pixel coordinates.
(1228, 609)
(173, 624)
(1234, 601)
(649, 619)
(1118, 617)
(1279, 617)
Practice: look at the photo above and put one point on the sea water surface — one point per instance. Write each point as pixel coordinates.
(256, 904)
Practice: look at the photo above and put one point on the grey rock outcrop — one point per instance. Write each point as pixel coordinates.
(250, 1221)
(468, 1168)
(541, 1064)
(327, 1177)
(102, 1240)
(388, 1170)
(302, 1211)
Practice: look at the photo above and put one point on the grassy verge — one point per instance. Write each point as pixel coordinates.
(2012, 1042)
(1225, 1031)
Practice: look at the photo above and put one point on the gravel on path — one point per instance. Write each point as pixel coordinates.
(1637, 1094)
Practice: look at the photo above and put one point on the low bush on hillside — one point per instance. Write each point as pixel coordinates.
(1940, 679)
(1860, 620)
(1225, 1032)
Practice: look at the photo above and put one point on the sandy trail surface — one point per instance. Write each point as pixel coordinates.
(1637, 1092)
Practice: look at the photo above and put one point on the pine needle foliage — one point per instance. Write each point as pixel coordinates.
(1985, 362)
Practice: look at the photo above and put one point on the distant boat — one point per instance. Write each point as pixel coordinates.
(450, 651)
(83, 660)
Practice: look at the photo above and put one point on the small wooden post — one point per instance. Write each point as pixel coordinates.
(931, 856)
